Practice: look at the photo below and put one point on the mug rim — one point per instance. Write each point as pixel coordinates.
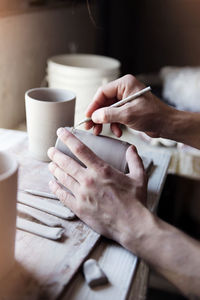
(13, 167)
(28, 96)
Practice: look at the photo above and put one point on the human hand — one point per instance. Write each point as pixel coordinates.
(146, 113)
(109, 201)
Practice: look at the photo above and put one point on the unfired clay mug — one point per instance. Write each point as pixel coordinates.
(108, 149)
(8, 195)
(47, 109)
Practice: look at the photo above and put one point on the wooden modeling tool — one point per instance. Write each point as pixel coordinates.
(120, 103)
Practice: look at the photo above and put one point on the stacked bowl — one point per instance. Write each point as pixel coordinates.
(83, 74)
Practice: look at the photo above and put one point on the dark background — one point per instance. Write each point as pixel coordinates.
(146, 35)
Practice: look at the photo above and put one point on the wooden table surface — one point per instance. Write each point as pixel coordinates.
(47, 269)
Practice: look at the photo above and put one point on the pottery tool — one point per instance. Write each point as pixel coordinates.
(52, 233)
(39, 215)
(120, 103)
(40, 194)
(55, 209)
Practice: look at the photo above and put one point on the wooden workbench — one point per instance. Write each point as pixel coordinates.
(47, 269)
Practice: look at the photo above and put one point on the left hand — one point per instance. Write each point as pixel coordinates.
(107, 200)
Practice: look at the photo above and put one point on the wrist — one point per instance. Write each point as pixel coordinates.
(138, 230)
(182, 126)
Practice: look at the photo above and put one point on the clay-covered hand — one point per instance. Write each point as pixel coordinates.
(146, 113)
(110, 202)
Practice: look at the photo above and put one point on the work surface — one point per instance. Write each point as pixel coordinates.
(45, 269)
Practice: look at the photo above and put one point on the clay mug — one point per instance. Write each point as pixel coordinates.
(47, 109)
(8, 195)
(110, 150)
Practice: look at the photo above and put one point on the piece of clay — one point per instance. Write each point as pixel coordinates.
(53, 233)
(94, 275)
(39, 215)
(45, 205)
(41, 194)
(110, 150)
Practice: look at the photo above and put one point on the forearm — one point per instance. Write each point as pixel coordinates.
(182, 126)
(172, 253)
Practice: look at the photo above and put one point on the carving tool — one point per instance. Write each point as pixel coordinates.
(120, 103)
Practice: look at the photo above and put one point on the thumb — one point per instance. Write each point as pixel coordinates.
(136, 169)
(106, 115)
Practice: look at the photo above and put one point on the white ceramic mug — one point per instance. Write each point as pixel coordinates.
(47, 109)
(8, 195)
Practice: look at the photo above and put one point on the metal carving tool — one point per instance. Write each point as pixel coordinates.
(120, 103)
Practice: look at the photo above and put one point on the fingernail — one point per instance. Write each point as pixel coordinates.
(61, 131)
(50, 152)
(95, 117)
(134, 148)
(51, 166)
(51, 182)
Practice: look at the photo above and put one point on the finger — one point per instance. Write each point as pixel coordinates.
(115, 128)
(108, 115)
(107, 95)
(113, 92)
(97, 129)
(135, 164)
(152, 134)
(66, 163)
(104, 96)
(65, 197)
(65, 179)
(88, 125)
(81, 151)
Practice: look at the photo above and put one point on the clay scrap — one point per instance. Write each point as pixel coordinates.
(55, 208)
(52, 233)
(39, 215)
(41, 194)
(93, 274)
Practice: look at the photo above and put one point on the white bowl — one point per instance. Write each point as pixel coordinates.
(79, 82)
(82, 78)
(83, 65)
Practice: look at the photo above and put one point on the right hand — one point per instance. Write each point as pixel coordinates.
(146, 113)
